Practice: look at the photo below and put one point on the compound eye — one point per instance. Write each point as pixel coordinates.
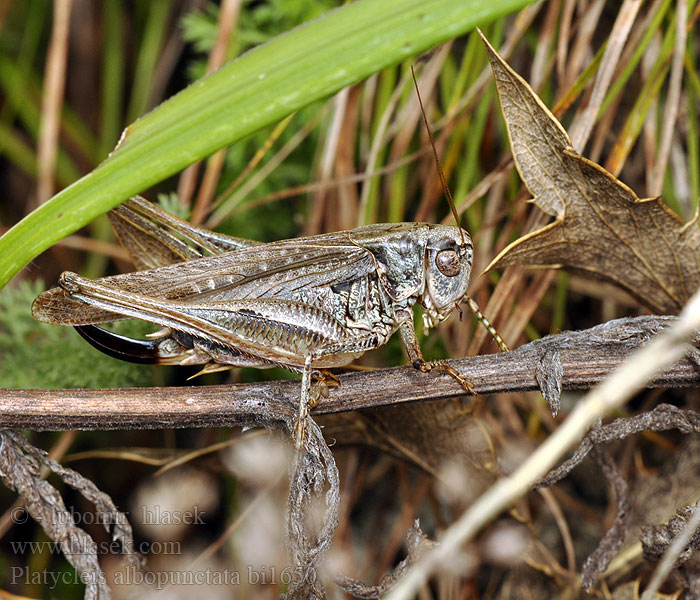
(447, 262)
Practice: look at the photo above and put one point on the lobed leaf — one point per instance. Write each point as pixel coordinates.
(601, 226)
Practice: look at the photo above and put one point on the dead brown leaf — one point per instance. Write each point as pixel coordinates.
(601, 227)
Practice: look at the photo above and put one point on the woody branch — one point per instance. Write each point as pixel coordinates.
(586, 357)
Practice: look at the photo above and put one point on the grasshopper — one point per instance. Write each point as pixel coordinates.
(305, 304)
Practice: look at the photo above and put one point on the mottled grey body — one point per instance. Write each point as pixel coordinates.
(334, 296)
(307, 303)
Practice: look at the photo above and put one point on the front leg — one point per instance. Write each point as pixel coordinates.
(415, 356)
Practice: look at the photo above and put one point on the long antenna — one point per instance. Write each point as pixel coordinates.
(471, 302)
(441, 173)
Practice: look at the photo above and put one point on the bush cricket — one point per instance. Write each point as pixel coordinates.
(306, 304)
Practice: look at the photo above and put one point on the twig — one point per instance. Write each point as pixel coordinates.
(586, 358)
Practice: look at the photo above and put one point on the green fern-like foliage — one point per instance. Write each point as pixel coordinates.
(37, 355)
(171, 203)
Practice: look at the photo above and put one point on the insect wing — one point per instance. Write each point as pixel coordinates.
(280, 270)
(155, 238)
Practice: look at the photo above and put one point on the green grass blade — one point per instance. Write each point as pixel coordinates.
(263, 86)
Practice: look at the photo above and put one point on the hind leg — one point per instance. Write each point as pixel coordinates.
(299, 430)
